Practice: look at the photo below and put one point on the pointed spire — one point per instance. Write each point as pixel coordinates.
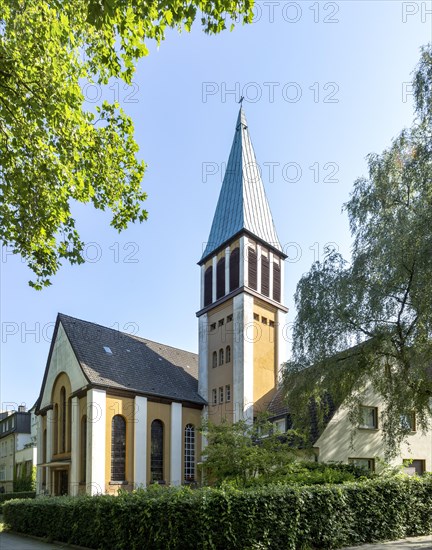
(242, 204)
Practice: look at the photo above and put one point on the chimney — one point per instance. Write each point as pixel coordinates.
(21, 408)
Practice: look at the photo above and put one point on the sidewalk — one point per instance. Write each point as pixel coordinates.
(10, 541)
(412, 543)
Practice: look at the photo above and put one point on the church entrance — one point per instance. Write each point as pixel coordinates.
(61, 482)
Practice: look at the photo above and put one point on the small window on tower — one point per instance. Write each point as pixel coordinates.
(214, 359)
(256, 317)
(212, 327)
(264, 320)
(221, 322)
(221, 357)
(229, 319)
(228, 354)
(228, 393)
(271, 323)
(214, 396)
(221, 394)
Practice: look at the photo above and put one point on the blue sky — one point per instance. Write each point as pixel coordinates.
(323, 85)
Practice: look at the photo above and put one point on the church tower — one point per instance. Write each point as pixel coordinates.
(241, 317)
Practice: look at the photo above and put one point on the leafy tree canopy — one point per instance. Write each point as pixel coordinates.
(54, 152)
(383, 296)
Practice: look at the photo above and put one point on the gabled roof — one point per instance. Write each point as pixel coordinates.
(242, 204)
(118, 360)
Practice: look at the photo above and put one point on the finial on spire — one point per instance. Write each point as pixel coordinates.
(241, 101)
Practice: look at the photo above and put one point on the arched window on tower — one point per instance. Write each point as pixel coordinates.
(221, 356)
(189, 458)
(220, 278)
(234, 266)
(156, 454)
(228, 354)
(252, 268)
(208, 286)
(265, 276)
(214, 359)
(118, 448)
(63, 412)
(276, 282)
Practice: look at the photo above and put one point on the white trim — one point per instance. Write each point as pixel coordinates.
(203, 268)
(281, 348)
(176, 444)
(96, 433)
(75, 450)
(39, 449)
(140, 440)
(248, 361)
(49, 424)
(203, 356)
(214, 271)
(258, 253)
(242, 270)
(227, 269)
(271, 274)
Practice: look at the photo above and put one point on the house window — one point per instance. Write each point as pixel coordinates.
(189, 458)
(62, 420)
(228, 354)
(221, 357)
(208, 286)
(214, 396)
(252, 268)
(214, 359)
(228, 393)
(220, 278)
(156, 456)
(367, 464)
(221, 394)
(408, 422)
(234, 264)
(265, 276)
(276, 282)
(118, 448)
(83, 439)
(279, 425)
(369, 418)
(414, 467)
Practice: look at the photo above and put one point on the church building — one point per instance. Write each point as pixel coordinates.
(119, 411)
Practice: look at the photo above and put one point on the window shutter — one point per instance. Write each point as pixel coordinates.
(276, 282)
(208, 286)
(220, 278)
(234, 269)
(252, 268)
(265, 276)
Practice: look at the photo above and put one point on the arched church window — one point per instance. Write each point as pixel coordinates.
(83, 448)
(44, 456)
(118, 448)
(252, 268)
(221, 356)
(214, 359)
(63, 412)
(208, 286)
(228, 354)
(220, 278)
(189, 449)
(265, 276)
(56, 429)
(276, 282)
(156, 456)
(234, 266)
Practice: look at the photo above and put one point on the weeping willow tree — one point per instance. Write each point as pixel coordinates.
(369, 320)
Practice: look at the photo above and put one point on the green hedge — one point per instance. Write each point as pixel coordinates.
(9, 496)
(276, 517)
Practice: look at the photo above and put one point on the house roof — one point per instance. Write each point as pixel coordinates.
(242, 204)
(115, 359)
(278, 405)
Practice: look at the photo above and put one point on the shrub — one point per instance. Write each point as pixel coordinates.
(276, 516)
(9, 496)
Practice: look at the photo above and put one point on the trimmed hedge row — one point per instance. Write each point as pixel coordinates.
(277, 516)
(19, 494)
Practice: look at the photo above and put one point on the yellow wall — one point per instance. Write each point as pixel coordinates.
(221, 375)
(265, 370)
(124, 406)
(159, 411)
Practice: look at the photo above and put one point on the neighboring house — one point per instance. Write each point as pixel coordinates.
(26, 455)
(119, 411)
(15, 434)
(364, 447)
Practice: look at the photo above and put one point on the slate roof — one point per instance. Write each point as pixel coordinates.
(242, 203)
(278, 405)
(134, 364)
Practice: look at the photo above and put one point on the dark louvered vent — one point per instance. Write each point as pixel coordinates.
(276, 282)
(234, 269)
(265, 276)
(220, 278)
(252, 269)
(208, 286)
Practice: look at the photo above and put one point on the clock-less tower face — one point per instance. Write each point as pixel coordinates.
(241, 318)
